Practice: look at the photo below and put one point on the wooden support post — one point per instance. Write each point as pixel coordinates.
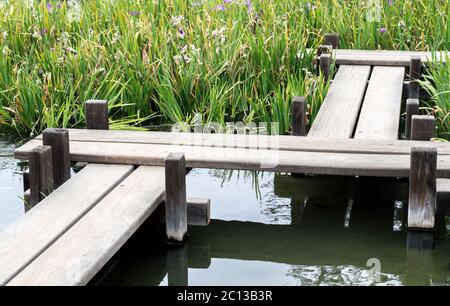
(412, 108)
(415, 74)
(299, 116)
(96, 112)
(41, 174)
(176, 208)
(58, 139)
(422, 127)
(332, 39)
(325, 64)
(177, 265)
(422, 188)
(26, 180)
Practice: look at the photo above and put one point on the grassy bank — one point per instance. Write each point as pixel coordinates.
(189, 61)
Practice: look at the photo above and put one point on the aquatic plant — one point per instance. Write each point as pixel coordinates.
(173, 61)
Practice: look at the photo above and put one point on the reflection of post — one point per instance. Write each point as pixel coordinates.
(177, 265)
(297, 209)
(419, 258)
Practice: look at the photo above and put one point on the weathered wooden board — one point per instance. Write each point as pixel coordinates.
(249, 159)
(286, 143)
(339, 112)
(35, 231)
(73, 259)
(384, 57)
(443, 197)
(380, 113)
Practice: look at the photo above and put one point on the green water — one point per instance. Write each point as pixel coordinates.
(271, 229)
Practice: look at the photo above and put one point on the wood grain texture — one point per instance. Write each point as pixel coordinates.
(96, 112)
(35, 231)
(422, 127)
(250, 159)
(198, 212)
(283, 143)
(339, 112)
(422, 189)
(443, 197)
(412, 108)
(175, 200)
(41, 174)
(74, 260)
(380, 113)
(299, 116)
(58, 139)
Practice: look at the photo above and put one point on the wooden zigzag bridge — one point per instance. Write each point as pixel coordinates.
(79, 221)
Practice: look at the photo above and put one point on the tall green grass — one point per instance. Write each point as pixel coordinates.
(185, 61)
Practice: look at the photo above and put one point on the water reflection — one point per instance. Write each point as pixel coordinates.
(293, 231)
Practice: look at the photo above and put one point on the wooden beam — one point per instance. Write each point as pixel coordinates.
(58, 140)
(422, 127)
(283, 142)
(97, 114)
(415, 73)
(198, 212)
(41, 174)
(332, 39)
(176, 210)
(299, 116)
(422, 189)
(412, 108)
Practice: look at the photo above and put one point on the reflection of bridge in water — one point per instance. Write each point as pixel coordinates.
(317, 244)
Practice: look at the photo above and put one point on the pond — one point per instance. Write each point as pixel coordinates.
(271, 229)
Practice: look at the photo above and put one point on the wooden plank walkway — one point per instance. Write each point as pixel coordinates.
(397, 165)
(35, 231)
(74, 260)
(339, 112)
(380, 113)
(384, 57)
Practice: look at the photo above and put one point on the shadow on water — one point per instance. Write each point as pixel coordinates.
(303, 230)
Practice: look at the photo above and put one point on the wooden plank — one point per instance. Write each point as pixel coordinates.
(74, 260)
(176, 208)
(380, 113)
(385, 57)
(35, 231)
(443, 197)
(339, 112)
(249, 159)
(281, 142)
(422, 189)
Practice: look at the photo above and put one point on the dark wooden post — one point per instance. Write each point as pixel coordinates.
(325, 63)
(415, 74)
(97, 114)
(422, 127)
(412, 108)
(332, 39)
(299, 116)
(177, 265)
(176, 208)
(26, 180)
(422, 188)
(324, 49)
(41, 173)
(58, 139)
